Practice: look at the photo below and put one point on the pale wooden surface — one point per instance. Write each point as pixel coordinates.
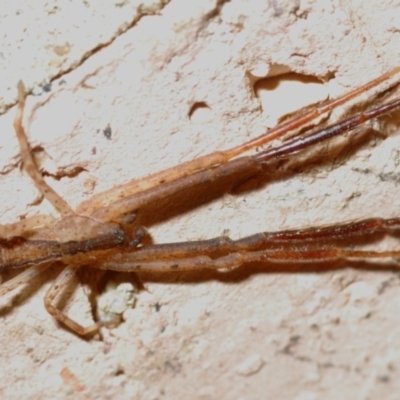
(265, 335)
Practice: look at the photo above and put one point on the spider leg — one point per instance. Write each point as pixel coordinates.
(297, 144)
(235, 260)
(314, 245)
(243, 167)
(186, 169)
(36, 222)
(26, 225)
(55, 290)
(23, 278)
(29, 164)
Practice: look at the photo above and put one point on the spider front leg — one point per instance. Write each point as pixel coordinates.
(332, 244)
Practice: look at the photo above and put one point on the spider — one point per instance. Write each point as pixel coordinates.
(101, 232)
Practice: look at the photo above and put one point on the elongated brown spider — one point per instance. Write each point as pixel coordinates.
(101, 232)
